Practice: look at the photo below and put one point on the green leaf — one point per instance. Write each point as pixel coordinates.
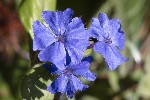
(34, 85)
(30, 10)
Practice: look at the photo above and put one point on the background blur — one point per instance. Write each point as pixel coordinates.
(131, 81)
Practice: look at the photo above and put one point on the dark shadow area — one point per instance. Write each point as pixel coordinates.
(82, 8)
(31, 81)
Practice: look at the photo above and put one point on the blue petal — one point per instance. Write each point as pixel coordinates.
(117, 35)
(73, 85)
(57, 21)
(58, 85)
(75, 29)
(104, 22)
(76, 40)
(110, 53)
(82, 70)
(67, 16)
(43, 37)
(55, 53)
(53, 69)
(96, 30)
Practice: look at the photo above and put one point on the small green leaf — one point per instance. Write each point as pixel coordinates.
(30, 10)
(34, 85)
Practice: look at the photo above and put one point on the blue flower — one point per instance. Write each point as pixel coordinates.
(110, 38)
(68, 81)
(62, 35)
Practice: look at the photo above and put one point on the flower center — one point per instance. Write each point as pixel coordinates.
(61, 38)
(107, 40)
(67, 72)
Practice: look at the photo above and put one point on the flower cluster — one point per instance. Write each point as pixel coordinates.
(64, 42)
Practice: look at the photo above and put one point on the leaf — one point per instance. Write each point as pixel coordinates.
(30, 10)
(34, 85)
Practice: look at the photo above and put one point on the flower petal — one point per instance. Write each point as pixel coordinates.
(96, 30)
(55, 53)
(117, 34)
(76, 40)
(57, 21)
(82, 70)
(111, 54)
(73, 85)
(104, 22)
(58, 85)
(43, 37)
(67, 16)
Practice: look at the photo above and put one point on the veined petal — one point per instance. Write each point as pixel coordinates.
(117, 35)
(114, 58)
(76, 40)
(75, 29)
(82, 70)
(75, 51)
(96, 30)
(57, 21)
(58, 85)
(100, 48)
(115, 24)
(111, 54)
(73, 85)
(67, 16)
(43, 37)
(104, 22)
(53, 19)
(55, 53)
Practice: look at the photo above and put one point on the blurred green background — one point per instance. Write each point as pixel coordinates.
(131, 81)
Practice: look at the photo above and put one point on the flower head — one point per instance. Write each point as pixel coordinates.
(62, 35)
(110, 37)
(68, 81)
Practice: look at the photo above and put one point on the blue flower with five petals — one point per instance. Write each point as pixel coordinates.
(110, 38)
(62, 35)
(68, 81)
